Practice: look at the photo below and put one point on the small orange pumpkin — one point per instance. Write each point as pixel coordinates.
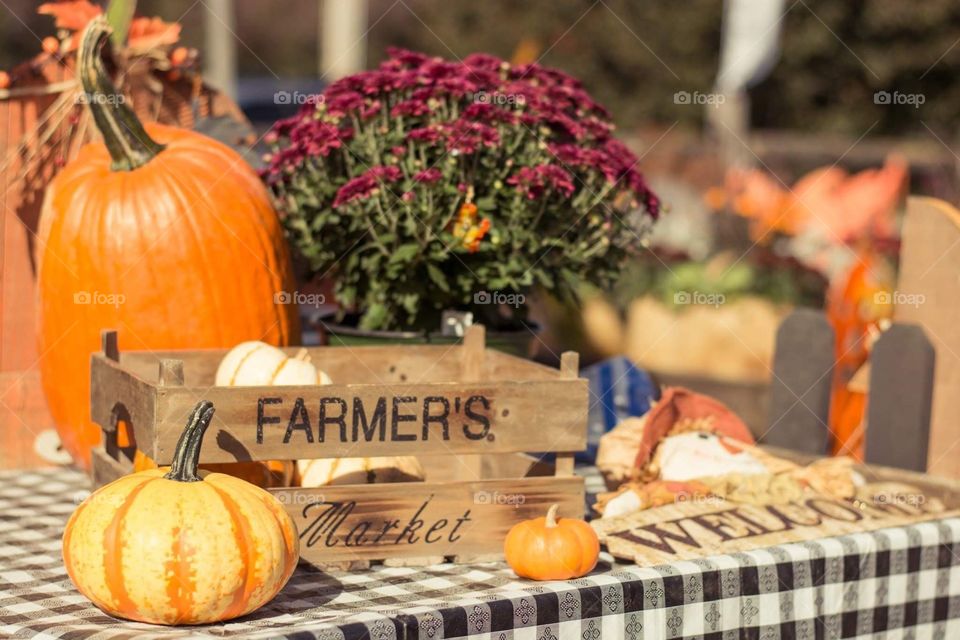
(169, 546)
(549, 548)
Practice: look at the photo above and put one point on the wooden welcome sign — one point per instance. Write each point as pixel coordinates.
(710, 526)
(467, 412)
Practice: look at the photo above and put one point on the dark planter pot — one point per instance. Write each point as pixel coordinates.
(519, 342)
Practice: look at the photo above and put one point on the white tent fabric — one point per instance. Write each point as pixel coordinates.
(750, 42)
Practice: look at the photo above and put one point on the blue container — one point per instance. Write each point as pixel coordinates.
(618, 390)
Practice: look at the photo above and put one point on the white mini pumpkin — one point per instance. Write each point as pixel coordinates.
(258, 364)
(332, 471)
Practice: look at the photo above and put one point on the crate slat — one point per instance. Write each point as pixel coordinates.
(309, 422)
(115, 394)
(421, 520)
(105, 469)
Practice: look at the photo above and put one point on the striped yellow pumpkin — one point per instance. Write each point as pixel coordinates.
(169, 546)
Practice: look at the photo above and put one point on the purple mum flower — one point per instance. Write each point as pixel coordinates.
(428, 134)
(410, 108)
(466, 136)
(534, 182)
(364, 184)
(428, 176)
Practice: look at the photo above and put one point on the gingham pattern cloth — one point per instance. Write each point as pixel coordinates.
(899, 583)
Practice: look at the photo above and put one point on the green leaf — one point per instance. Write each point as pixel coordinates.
(405, 253)
(119, 16)
(410, 302)
(545, 279)
(374, 316)
(352, 261)
(570, 278)
(438, 278)
(499, 283)
(346, 295)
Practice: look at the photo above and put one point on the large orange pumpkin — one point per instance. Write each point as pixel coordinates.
(171, 546)
(159, 232)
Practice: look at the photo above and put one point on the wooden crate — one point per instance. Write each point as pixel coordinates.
(479, 483)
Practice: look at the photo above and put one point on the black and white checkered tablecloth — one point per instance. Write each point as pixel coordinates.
(905, 579)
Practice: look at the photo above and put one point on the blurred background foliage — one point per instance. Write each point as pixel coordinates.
(633, 56)
(815, 112)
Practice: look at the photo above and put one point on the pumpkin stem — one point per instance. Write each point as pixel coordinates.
(552, 516)
(186, 457)
(123, 134)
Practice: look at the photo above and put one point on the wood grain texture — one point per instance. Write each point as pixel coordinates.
(927, 294)
(472, 356)
(472, 353)
(109, 344)
(105, 469)
(421, 520)
(118, 394)
(371, 364)
(170, 372)
(320, 421)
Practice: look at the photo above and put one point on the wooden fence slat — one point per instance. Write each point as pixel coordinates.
(800, 389)
(901, 394)
(928, 295)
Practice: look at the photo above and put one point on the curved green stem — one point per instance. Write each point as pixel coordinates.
(123, 134)
(186, 457)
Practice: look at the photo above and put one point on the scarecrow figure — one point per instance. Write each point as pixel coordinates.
(692, 447)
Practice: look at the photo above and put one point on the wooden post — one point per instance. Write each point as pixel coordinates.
(901, 393)
(570, 369)
(472, 357)
(730, 123)
(108, 344)
(220, 41)
(343, 42)
(171, 372)
(569, 364)
(474, 343)
(111, 350)
(800, 389)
